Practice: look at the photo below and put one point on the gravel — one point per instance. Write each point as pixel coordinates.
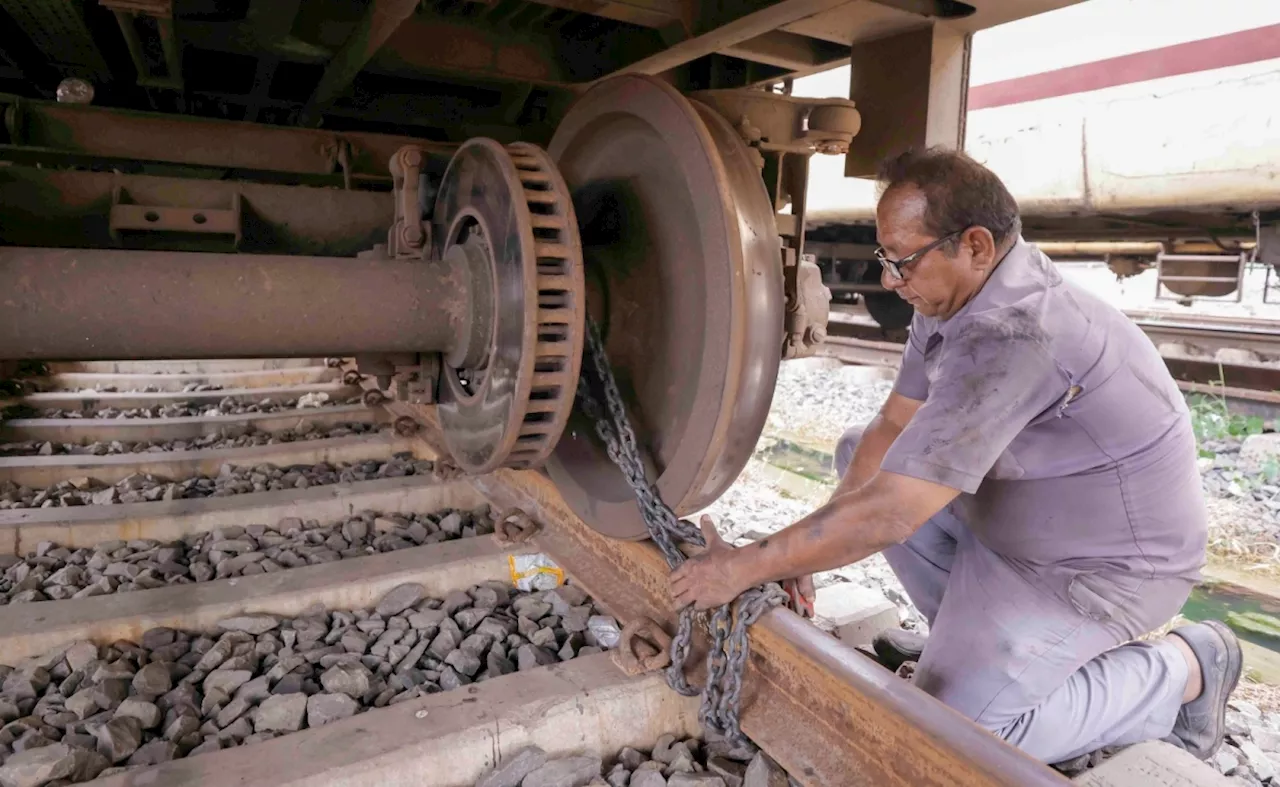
(816, 399)
(230, 437)
(54, 572)
(672, 762)
(1251, 753)
(1241, 480)
(231, 480)
(83, 709)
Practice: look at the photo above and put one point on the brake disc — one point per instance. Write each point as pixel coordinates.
(684, 275)
(504, 220)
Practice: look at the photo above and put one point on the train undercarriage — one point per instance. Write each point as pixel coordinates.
(639, 165)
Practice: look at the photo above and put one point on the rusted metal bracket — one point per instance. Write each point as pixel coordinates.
(405, 426)
(808, 308)
(126, 216)
(156, 17)
(513, 527)
(410, 234)
(785, 124)
(444, 468)
(643, 647)
(416, 383)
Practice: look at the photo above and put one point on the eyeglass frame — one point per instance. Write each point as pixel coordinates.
(894, 267)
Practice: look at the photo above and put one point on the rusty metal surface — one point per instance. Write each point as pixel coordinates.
(38, 129)
(58, 30)
(506, 394)
(685, 280)
(44, 207)
(826, 713)
(379, 20)
(91, 305)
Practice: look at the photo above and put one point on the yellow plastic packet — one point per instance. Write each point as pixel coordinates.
(534, 572)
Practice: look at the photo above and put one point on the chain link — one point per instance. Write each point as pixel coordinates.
(600, 400)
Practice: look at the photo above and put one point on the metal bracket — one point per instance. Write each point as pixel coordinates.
(126, 216)
(786, 124)
(418, 382)
(1239, 261)
(513, 527)
(643, 647)
(410, 233)
(160, 14)
(808, 306)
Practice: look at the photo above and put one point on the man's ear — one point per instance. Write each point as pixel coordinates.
(982, 247)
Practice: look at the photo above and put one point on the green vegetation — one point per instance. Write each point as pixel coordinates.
(1212, 420)
(1259, 623)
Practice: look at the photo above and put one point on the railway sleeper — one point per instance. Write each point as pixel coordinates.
(33, 481)
(91, 403)
(141, 381)
(150, 436)
(191, 366)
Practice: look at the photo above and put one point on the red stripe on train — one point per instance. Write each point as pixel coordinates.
(1232, 49)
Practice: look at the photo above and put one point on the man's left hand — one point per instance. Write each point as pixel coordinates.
(711, 578)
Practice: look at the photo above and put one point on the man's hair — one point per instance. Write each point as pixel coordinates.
(959, 192)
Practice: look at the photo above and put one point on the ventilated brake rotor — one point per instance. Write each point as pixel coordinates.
(504, 221)
(684, 276)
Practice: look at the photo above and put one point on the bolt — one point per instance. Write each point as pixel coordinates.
(410, 156)
(373, 398)
(405, 426)
(817, 334)
(411, 234)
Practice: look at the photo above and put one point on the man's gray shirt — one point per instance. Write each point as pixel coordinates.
(1057, 419)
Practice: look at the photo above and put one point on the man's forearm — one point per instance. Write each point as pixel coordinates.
(851, 526)
(868, 455)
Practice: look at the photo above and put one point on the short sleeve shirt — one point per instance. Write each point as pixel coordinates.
(1057, 420)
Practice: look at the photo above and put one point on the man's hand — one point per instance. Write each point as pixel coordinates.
(711, 578)
(804, 584)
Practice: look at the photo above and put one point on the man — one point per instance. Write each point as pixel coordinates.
(1032, 482)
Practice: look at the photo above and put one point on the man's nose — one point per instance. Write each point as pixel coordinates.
(889, 281)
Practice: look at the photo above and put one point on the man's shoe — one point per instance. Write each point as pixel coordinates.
(894, 647)
(1201, 723)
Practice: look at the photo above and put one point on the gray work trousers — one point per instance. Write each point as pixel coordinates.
(1040, 669)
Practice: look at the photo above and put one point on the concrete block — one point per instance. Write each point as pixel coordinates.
(855, 613)
(1154, 763)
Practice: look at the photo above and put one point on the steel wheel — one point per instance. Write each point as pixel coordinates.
(684, 275)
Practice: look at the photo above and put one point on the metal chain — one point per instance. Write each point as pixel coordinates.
(600, 400)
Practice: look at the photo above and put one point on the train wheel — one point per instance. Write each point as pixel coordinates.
(684, 277)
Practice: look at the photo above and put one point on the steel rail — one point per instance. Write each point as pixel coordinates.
(826, 713)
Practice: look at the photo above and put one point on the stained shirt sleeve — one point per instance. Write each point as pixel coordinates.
(912, 381)
(990, 383)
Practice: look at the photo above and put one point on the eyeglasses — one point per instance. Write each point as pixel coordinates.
(894, 267)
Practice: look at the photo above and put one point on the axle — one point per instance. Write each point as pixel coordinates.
(68, 304)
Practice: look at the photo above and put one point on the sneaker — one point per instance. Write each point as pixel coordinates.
(895, 647)
(1201, 723)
